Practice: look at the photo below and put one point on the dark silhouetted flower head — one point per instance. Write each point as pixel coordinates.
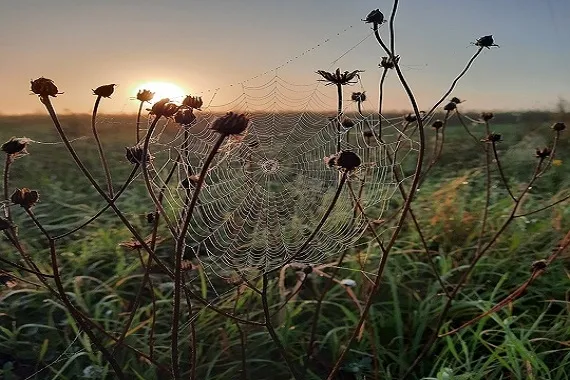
(347, 123)
(486, 41)
(105, 91)
(25, 197)
(389, 63)
(375, 17)
(543, 153)
(450, 106)
(164, 107)
(135, 154)
(16, 146)
(145, 95)
(486, 116)
(185, 116)
(193, 102)
(492, 138)
(230, 124)
(559, 127)
(339, 78)
(455, 100)
(347, 160)
(437, 124)
(44, 87)
(358, 97)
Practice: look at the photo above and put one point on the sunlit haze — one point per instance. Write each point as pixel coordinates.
(207, 47)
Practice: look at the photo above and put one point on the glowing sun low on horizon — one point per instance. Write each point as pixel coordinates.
(163, 90)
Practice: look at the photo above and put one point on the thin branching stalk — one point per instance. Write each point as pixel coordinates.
(501, 173)
(381, 100)
(100, 147)
(6, 179)
(139, 113)
(338, 115)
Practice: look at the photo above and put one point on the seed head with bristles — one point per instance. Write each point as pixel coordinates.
(193, 102)
(44, 87)
(25, 197)
(164, 108)
(105, 91)
(145, 95)
(358, 97)
(486, 41)
(185, 116)
(230, 124)
(16, 146)
(339, 78)
(375, 18)
(389, 63)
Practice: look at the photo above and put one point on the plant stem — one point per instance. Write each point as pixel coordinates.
(100, 147)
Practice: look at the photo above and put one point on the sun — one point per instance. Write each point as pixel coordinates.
(163, 90)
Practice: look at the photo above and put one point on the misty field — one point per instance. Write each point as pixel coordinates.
(101, 270)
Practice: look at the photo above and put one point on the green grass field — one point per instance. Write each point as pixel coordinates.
(527, 339)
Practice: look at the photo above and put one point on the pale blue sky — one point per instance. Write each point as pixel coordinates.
(203, 44)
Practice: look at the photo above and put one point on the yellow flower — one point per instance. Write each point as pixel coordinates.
(556, 162)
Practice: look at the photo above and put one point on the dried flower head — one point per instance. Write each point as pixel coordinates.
(389, 63)
(347, 160)
(44, 87)
(375, 17)
(347, 123)
(105, 91)
(164, 107)
(559, 127)
(543, 153)
(450, 106)
(455, 100)
(193, 102)
(358, 97)
(150, 217)
(230, 124)
(135, 154)
(330, 161)
(25, 197)
(437, 124)
(539, 265)
(16, 146)
(308, 269)
(145, 95)
(410, 118)
(185, 116)
(492, 138)
(339, 78)
(486, 116)
(486, 41)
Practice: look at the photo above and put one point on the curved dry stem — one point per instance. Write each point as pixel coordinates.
(100, 147)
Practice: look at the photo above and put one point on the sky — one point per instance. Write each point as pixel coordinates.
(203, 45)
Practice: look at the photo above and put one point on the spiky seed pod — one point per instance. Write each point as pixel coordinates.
(105, 91)
(348, 160)
(358, 96)
(230, 124)
(145, 95)
(492, 138)
(374, 17)
(450, 106)
(44, 87)
(543, 153)
(559, 127)
(134, 154)
(16, 145)
(437, 124)
(25, 197)
(486, 116)
(486, 41)
(185, 116)
(308, 269)
(193, 102)
(339, 78)
(347, 123)
(388, 63)
(455, 100)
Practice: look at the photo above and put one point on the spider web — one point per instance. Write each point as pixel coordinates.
(267, 190)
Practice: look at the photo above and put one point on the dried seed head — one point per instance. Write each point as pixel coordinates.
(330, 161)
(164, 107)
(145, 95)
(193, 102)
(135, 154)
(348, 160)
(388, 63)
(185, 116)
(450, 106)
(559, 127)
(16, 146)
(105, 91)
(44, 87)
(486, 41)
(543, 153)
(150, 217)
(486, 116)
(375, 17)
(410, 118)
(455, 100)
(308, 269)
(492, 138)
(339, 78)
(230, 124)
(358, 97)
(25, 197)
(437, 124)
(347, 123)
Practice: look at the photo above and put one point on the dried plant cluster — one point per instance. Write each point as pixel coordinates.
(187, 303)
